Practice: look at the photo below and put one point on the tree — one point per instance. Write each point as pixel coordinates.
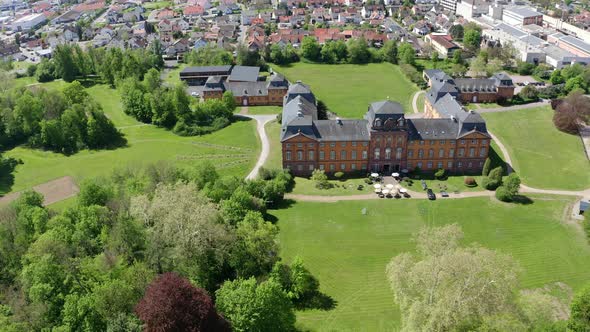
(445, 286)
(494, 66)
(524, 68)
(172, 303)
(458, 70)
(458, 57)
(151, 79)
(580, 311)
(250, 306)
(575, 83)
(93, 193)
(407, 54)
(389, 51)
(574, 110)
(512, 184)
(320, 179)
(358, 51)
(75, 93)
(229, 100)
(184, 232)
(478, 67)
(64, 63)
(6, 81)
(322, 110)
(238, 205)
(456, 31)
(434, 58)
(310, 48)
(472, 39)
(556, 77)
(572, 71)
(486, 167)
(529, 92)
(256, 250)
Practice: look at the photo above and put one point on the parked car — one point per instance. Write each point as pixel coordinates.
(444, 194)
(430, 194)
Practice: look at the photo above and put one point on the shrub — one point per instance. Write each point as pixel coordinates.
(503, 194)
(489, 183)
(486, 167)
(368, 181)
(339, 175)
(496, 174)
(440, 174)
(470, 182)
(512, 184)
(320, 178)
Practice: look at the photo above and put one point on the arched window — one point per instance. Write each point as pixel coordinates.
(377, 153)
(398, 153)
(388, 153)
(378, 123)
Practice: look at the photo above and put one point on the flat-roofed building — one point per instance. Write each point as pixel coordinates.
(28, 22)
(522, 16)
(570, 43)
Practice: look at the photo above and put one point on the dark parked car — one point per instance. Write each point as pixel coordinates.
(430, 194)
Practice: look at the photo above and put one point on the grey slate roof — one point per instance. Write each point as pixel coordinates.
(428, 129)
(277, 81)
(299, 89)
(476, 84)
(386, 107)
(204, 70)
(246, 88)
(342, 130)
(297, 108)
(244, 74)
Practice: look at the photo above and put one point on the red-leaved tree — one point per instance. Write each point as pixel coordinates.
(172, 303)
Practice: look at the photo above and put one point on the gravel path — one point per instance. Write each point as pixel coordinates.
(261, 121)
(415, 102)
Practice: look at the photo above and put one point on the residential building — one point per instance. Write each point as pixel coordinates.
(442, 44)
(383, 141)
(450, 5)
(247, 92)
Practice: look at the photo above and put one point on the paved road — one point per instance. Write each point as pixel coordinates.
(261, 121)
(415, 102)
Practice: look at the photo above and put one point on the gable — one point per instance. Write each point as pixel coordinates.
(474, 135)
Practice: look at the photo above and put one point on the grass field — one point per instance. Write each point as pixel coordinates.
(543, 156)
(233, 150)
(263, 110)
(275, 158)
(348, 251)
(347, 90)
(420, 102)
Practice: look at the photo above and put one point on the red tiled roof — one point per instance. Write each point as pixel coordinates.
(193, 10)
(443, 40)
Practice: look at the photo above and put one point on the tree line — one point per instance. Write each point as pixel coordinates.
(61, 121)
(155, 248)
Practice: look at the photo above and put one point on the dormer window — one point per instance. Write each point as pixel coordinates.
(378, 123)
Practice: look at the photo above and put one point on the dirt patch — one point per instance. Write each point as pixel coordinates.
(53, 191)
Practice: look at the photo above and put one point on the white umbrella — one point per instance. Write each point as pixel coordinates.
(395, 175)
(377, 191)
(403, 190)
(377, 186)
(374, 175)
(389, 186)
(385, 191)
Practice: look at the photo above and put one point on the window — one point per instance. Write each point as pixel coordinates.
(332, 167)
(388, 153)
(377, 153)
(461, 152)
(482, 152)
(311, 168)
(353, 154)
(310, 145)
(322, 145)
(363, 166)
(429, 165)
(463, 142)
(439, 165)
(430, 153)
(342, 167)
(288, 155)
(299, 155)
(299, 145)
(353, 167)
(470, 165)
(484, 142)
(441, 153)
(389, 139)
(322, 167)
(400, 140)
(453, 142)
(365, 143)
(300, 167)
(343, 144)
(459, 164)
(364, 154)
(398, 153)
(343, 155)
(322, 155)
(378, 123)
(442, 142)
(449, 164)
(353, 143)
(471, 152)
(451, 153)
(332, 144)
(409, 165)
(311, 155)
(411, 142)
(288, 145)
(421, 142)
(332, 155)
(420, 153)
(432, 142)
(473, 141)
(419, 164)
(410, 153)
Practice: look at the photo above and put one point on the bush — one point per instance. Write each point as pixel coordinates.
(440, 174)
(489, 183)
(339, 175)
(320, 178)
(486, 167)
(503, 195)
(470, 182)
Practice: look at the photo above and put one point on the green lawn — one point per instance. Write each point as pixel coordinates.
(263, 110)
(234, 149)
(543, 156)
(172, 76)
(157, 4)
(420, 102)
(275, 158)
(348, 251)
(347, 90)
(346, 187)
(482, 106)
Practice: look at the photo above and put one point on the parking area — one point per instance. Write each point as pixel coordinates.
(520, 81)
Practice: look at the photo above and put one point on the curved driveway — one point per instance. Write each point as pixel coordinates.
(261, 121)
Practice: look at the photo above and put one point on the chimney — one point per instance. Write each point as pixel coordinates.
(299, 114)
